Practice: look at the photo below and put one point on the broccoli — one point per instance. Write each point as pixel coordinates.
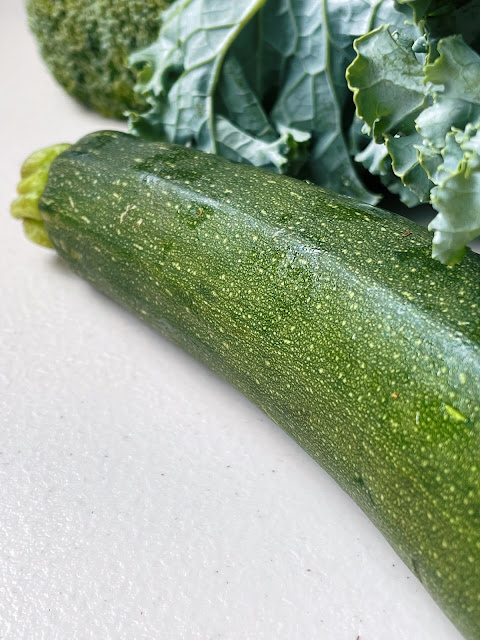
(85, 44)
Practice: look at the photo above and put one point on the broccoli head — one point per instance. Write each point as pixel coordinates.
(86, 43)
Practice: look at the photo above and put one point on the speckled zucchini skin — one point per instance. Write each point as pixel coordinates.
(330, 315)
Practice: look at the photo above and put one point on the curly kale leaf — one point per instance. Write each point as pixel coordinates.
(387, 81)
(450, 150)
(422, 105)
(442, 18)
(191, 70)
(316, 39)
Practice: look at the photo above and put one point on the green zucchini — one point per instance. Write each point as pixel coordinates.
(329, 314)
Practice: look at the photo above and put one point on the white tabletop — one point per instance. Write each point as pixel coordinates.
(141, 497)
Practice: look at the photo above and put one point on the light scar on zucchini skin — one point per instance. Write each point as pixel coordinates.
(321, 310)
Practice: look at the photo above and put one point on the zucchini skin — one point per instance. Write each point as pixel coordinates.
(320, 309)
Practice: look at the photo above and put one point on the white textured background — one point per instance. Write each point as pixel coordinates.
(140, 496)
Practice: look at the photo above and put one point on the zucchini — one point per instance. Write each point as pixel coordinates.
(328, 314)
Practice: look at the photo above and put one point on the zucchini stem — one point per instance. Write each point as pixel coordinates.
(34, 174)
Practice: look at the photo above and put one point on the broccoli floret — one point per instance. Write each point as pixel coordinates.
(86, 43)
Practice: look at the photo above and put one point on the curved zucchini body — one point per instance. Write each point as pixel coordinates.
(330, 315)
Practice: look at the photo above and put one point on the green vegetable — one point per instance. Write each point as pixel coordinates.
(327, 313)
(263, 82)
(272, 77)
(86, 44)
(420, 101)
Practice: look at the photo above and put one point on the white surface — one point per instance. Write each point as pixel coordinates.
(140, 496)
